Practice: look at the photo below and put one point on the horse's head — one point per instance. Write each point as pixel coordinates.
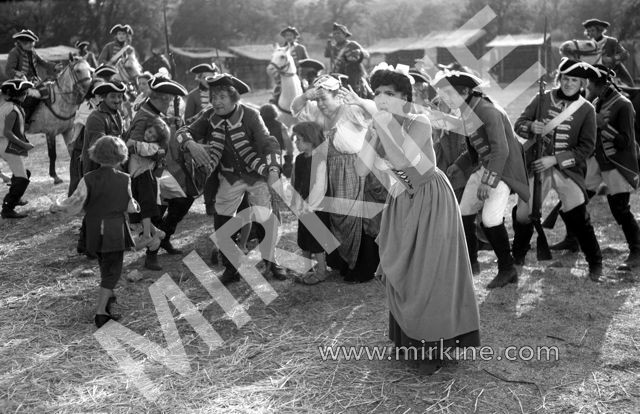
(578, 49)
(75, 77)
(129, 68)
(281, 62)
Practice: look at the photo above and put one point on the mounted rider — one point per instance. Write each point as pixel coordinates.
(156, 61)
(23, 62)
(347, 57)
(310, 69)
(112, 50)
(298, 52)
(85, 53)
(612, 54)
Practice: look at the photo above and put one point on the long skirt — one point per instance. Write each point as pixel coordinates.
(354, 229)
(425, 267)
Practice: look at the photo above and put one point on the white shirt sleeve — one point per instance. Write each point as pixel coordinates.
(319, 187)
(73, 204)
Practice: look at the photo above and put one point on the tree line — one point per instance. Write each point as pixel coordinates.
(222, 23)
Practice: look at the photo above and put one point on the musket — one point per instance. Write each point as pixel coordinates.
(172, 63)
(550, 221)
(542, 246)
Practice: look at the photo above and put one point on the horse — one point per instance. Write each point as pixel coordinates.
(55, 115)
(129, 69)
(585, 50)
(282, 64)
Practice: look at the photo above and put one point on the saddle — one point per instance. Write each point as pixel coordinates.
(45, 91)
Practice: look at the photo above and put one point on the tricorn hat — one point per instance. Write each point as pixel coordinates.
(15, 86)
(204, 68)
(163, 85)
(105, 71)
(418, 76)
(108, 87)
(26, 34)
(456, 78)
(225, 79)
(290, 29)
(602, 72)
(121, 28)
(576, 68)
(342, 28)
(311, 64)
(595, 22)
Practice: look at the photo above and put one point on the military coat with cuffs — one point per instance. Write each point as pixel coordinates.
(572, 142)
(616, 146)
(240, 143)
(492, 145)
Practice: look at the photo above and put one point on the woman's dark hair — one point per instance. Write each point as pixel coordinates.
(268, 112)
(309, 132)
(162, 130)
(401, 83)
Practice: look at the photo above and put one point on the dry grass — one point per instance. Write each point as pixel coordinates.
(51, 361)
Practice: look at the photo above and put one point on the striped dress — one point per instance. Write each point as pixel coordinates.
(354, 231)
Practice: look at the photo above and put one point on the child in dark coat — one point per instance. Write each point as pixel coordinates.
(310, 181)
(105, 196)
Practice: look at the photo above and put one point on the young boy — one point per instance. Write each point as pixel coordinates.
(105, 196)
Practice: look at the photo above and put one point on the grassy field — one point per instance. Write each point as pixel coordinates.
(51, 362)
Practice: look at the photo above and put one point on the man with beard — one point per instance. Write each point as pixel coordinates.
(105, 119)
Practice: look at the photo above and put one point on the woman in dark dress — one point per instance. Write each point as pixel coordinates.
(424, 262)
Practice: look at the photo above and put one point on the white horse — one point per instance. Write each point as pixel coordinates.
(55, 115)
(585, 50)
(588, 51)
(282, 64)
(129, 69)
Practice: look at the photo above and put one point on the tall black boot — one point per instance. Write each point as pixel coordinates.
(522, 233)
(469, 224)
(632, 234)
(12, 199)
(230, 274)
(209, 195)
(177, 209)
(570, 242)
(151, 260)
(620, 209)
(579, 222)
(507, 273)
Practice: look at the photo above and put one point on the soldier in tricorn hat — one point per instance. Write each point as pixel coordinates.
(612, 54)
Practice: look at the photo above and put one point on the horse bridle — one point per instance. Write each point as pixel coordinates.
(281, 69)
(76, 91)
